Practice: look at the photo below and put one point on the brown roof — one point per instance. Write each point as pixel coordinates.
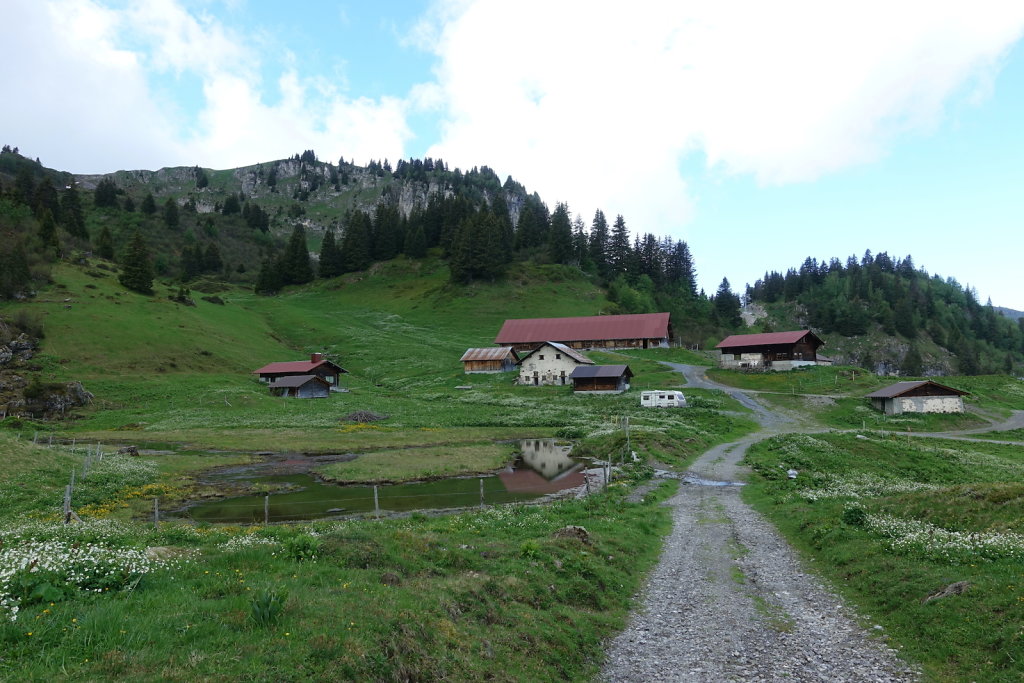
(601, 371)
(490, 353)
(572, 353)
(296, 381)
(900, 388)
(765, 339)
(296, 367)
(594, 327)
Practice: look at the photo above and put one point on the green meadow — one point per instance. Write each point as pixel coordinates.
(893, 521)
(421, 598)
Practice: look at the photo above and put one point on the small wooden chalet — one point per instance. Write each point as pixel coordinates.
(491, 359)
(301, 386)
(769, 350)
(635, 331)
(550, 363)
(923, 396)
(604, 379)
(316, 365)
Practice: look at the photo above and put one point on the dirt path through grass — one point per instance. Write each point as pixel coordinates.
(729, 598)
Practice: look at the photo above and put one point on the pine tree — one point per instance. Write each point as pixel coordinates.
(136, 268)
(106, 194)
(171, 215)
(355, 242)
(212, 262)
(48, 233)
(295, 266)
(912, 365)
(560, 240)
(129, 204)
(330, 257)
(105, 244)
(416, 243)
(72, 214)
(15, 276)
(619, 251)
(46, 198)
(599, 243)
(148, 205)
(268, 280)
(727, 305)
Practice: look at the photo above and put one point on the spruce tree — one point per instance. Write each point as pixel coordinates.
(295, 266)
(355, 242)
(136, 268)
(330, 257)
(72, 214)
(148, 205)
(727, 305)
(619, 251)
(560, 240)
(599, 243)
(268, 281)
(171, 215)
(416, 243)
(48, 233)
(105, 244)
(106, 194)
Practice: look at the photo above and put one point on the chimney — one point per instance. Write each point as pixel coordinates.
(316, 357)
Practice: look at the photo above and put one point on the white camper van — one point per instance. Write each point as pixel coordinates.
(662, 399)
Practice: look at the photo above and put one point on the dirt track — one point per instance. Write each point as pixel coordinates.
(731, 601)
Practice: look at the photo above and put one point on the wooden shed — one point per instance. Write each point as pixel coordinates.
(769, 350)
(923, 396)
(601, 378)
(301, 386)
(491, 359)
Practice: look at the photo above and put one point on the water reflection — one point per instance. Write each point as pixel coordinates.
(544, 466)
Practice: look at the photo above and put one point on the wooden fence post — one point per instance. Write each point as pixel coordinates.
(376, 502)
(156, 513)
(266, 509)
(481, 493)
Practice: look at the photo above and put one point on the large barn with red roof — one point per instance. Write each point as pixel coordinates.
(634, 331)
(769, 350)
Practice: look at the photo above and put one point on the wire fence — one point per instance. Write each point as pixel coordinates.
(379, 504)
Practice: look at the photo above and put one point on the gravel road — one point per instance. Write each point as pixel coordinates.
(730, 600)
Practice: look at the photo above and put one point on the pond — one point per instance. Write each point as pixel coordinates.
(543, 467)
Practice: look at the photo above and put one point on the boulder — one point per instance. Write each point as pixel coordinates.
(572, 531)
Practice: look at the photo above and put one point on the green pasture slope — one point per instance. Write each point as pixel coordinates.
(892, 520)
(496, 592)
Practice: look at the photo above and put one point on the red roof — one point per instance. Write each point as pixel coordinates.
(765, 339)
(594, 327)
(295, 367)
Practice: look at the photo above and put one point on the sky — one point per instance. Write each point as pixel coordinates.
(760, 133)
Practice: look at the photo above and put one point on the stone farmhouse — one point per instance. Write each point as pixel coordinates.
(923, 396)
(769, 350)
(550, 363)
(635, 331)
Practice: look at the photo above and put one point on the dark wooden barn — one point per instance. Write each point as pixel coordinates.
(769, 350)
(601, 378)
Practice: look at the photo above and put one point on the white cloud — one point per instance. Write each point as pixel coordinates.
(596, 103)
(90, 100)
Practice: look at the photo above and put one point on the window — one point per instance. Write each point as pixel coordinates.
(540, 357)
(558, 356)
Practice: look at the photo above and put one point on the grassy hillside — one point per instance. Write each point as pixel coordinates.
(500, 591)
